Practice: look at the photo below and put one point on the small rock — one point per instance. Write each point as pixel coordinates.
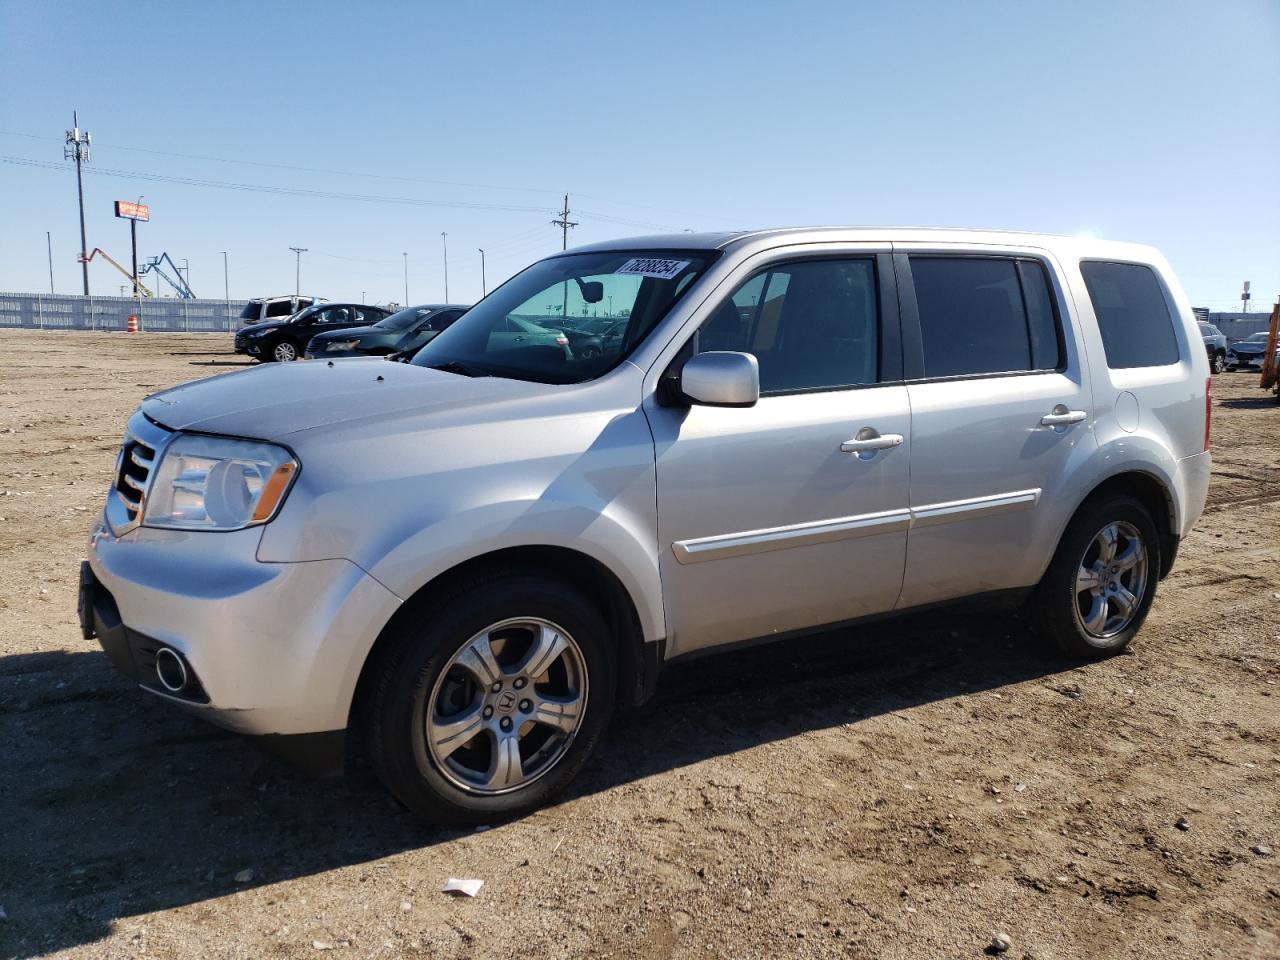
(1261, 850)
(1183, 824)
(244, 876)
(1000, 942)
(321, 945)
(405, 906)
(1019, 788)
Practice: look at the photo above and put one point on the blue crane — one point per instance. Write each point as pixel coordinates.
(179, 285)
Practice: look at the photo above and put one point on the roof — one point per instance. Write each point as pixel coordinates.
(868, 234)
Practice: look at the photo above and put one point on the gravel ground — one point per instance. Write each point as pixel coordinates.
(901, 790)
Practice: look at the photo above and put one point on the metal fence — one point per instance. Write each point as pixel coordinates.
(45, 311)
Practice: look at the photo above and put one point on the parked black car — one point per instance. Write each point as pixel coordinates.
(402, 333)
(589, 337)
(286, 339)
(1215, 344)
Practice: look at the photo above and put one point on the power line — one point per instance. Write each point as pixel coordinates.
(372, 176)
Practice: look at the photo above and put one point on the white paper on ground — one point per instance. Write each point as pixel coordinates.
(467, 888)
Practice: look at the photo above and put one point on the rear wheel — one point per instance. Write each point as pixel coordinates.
(1219, 362)
(1102, 581)
(491, 700)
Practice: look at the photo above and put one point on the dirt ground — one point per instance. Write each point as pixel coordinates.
(897, 791)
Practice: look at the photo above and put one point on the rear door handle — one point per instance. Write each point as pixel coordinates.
(868, 439)
(1061, 416)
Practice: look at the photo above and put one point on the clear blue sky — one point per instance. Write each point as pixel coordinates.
(1149, 121)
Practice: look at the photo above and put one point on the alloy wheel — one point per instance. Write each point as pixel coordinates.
(507, 706)
(1111, 580)
(284, 351)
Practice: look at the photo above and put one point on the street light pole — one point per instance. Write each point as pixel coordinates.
(226, 289)
(484, 290)
(297, 274)
(444, 239)
(406, 277)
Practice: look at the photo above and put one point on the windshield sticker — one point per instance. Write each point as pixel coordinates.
(653, 267)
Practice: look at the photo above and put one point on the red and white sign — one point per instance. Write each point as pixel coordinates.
(132, 211)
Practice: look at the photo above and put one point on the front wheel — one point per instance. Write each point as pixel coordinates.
(491, 700)
(1219, 363)
(1102, 581)
(284, 352)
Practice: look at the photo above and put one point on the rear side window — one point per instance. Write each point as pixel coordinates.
(984, 315)
(280, 308)
(1133, 318)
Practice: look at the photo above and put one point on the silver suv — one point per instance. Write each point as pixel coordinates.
(460, 566)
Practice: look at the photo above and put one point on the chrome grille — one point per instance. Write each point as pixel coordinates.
(143, 442)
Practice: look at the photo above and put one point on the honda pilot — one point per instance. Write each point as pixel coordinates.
(461, 566)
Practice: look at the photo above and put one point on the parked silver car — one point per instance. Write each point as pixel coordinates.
(464, 563)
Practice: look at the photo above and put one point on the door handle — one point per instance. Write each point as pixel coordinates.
(868, 439)
(1061, 416)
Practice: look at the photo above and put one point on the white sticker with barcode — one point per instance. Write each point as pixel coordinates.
(654, 267)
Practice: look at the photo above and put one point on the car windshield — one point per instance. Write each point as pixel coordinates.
(518, 331)
(404, 319)
(1257, 338)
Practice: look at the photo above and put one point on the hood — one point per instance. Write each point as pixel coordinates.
(1244, 347)
(350, 332)
(263, 326)
(272, 401)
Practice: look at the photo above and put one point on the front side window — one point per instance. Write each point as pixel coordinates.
(984, 315)
(811, 325)
(518, 330)
(1133, 317)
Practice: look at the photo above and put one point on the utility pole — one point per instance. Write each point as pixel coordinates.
(406, 277)
(484, 290)
(226, 289)
(77, 148)
(186, 272)
(444, 239)
(297, 274)
(564, 223)
(48, 239)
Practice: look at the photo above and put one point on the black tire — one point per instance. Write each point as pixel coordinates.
(421, 647)
(1219, 362)
(1056, 605)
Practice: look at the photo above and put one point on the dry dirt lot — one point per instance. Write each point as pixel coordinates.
(897, 791)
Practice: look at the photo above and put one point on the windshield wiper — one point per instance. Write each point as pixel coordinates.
(453, 366)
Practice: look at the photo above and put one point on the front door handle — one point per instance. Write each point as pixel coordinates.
(1061, 416)
(869, 439)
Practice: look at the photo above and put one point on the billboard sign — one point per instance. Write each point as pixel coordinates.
(132, 211)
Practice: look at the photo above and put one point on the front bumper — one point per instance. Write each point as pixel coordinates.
(276, 648)
(247, 346)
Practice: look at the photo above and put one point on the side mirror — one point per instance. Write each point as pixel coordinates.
(720, 378)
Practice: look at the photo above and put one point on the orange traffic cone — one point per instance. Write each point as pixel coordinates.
(133, 324)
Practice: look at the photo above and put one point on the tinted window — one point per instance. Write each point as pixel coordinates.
(1133, 318)
(251, 310)
(280, 308)
(810, 325)
(984, 315)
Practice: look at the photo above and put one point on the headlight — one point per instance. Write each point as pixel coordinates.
(216, 483)
(342, 345)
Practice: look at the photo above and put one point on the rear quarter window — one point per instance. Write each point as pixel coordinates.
(1133, 317)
